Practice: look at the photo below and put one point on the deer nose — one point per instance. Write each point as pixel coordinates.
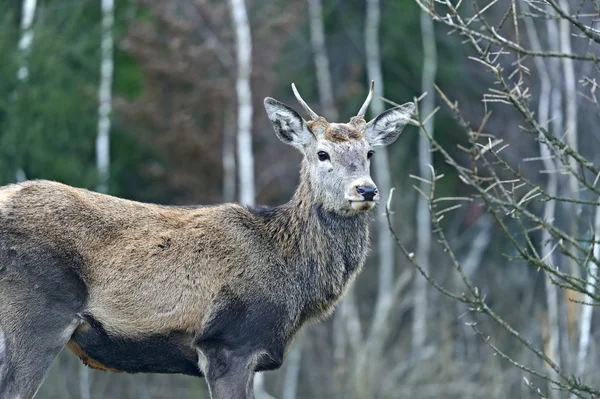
(367, 192)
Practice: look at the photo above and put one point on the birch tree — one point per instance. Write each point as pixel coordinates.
(586, 313)
(423, 221)
(105, 97)
(571, 138)
(317, 39)
(545, 105)
(27, 16)
(229, 171)
(243, 45)
(570, 81)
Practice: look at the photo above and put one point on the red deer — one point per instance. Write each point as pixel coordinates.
(215, 291)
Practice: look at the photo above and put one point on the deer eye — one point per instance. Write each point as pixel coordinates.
(323, 156)
(370, 154)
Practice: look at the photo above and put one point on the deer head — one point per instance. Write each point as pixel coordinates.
(337, 155)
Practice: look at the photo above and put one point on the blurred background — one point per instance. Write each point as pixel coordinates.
(141, 99)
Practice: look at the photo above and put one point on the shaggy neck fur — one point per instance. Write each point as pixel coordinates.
(321, 248)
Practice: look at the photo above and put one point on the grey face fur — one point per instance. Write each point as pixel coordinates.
(337, 155)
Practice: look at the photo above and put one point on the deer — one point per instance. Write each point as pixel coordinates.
(215, 291)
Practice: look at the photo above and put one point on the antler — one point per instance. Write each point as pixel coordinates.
(313, 114)
(363, 109)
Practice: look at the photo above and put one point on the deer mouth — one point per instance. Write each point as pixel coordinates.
(361, 205)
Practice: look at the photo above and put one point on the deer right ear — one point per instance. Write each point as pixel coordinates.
(386, 128)
(288, 124)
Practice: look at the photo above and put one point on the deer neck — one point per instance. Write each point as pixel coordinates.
(324, 249)
(311, 226)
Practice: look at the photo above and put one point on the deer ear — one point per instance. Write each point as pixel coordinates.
(288, 124)
(385, 129)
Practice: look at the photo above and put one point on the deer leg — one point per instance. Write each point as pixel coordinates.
(26, 356)
(229, 373)
(41, 294)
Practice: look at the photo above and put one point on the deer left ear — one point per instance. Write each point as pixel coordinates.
(288, 124)
(385, 129)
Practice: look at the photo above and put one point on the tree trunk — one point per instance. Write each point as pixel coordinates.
(586, 313)
(27, 15)
(25, 40)
(423, 222)
(243, 43)
(549, 100)
(557, 324)
(105, 97)
(571, 138)
(229, 158)
(317, 38)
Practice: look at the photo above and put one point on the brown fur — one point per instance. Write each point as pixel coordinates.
(151, 270)
(155, 269)
(334, 132)
(340, 132)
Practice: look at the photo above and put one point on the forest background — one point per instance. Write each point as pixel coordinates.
(481, 281)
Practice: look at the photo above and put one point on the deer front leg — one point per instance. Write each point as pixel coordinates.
(229, 373)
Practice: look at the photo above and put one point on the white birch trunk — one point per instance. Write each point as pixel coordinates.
(571, 124)
(552, 298)
(317, 38)
(105, 97)
(556, 127)
(586, 313)
(229, 158)
(243, 43)
(27, 15)
(572, 141)
(550, 99)
(423, 221)
(385, 245)
(25, 40)
(561, 329)
(569, 72)
(570, 95)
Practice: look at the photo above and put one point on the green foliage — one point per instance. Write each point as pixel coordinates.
(48, 125)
